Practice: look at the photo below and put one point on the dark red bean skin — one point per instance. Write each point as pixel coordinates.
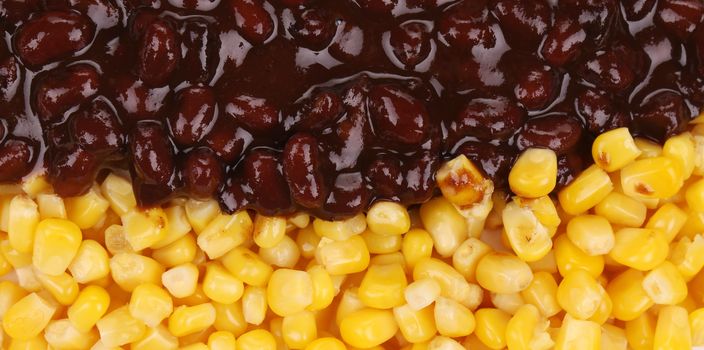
(495, 161)
(138, 101)
(609, 71)
(72, 170)
(662, 116)
(348, 195)
(200, 58)
(194, 115)
(568, 167)
(420, 178)
(557, 132)
(227, 140)
(680, 17)
(252, 20)
(52, 36)
(160, 53)
(201, 173)
(524, 23)
(465, 26)
(637, 9)
(397, 116)
(411, 43)
(64, 88)
(600, 112)
(152, 153)
(490, 118)
(16, 159)
(97, 129)
(385, 176)
(563, 43)
(10, 77)
(234, 195)
(314, 28)
(301, 167)
(255, 114)
(536, 88)
(263, 173)
(316, 113)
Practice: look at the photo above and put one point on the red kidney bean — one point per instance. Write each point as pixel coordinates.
(52, 36)
(301, 167)
(62, 89)
(194, 115)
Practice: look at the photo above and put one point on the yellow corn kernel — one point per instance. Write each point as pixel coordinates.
(447, 227)
(467, 255)
(688, 256)
(195, 346)
(144, 229)
(55, 245)
(10, 293)
(299, 329)
(578, 335)
(36, 343)
(343, 257)
(51, 206)
(417, 245)
(157, 337)
(5, 266)
(613, 337)
(258, 339)
(695, 196)
(27, 279)
(268, 231)
(62, 287)
(503, 273)
(220, 285)
(658, 177)
(129, 270)
(382, 244)
(119, 193)
(187, 320)
(326, 343)
(461, 182)
(569, 258)
(222, 340)
(641, 249)
(586, 191)
(299, 219)
(534, 173)
(90, 305)
(323, 288)
(349, 303)
(247, 266)
(340, 230)
(61, 334)
(681, 148)
(649, 149)
(200, 213)
(453, 319)
(527, 330)
(579, 294)
(150, 304)
(665, 285)
(289, 291)
(668, 219)
(91, 262)
(383, 286)
(603, 312)
(254, 304)
(452, 284)
(28, 317)
(15, 258)
(388, 218)
(416, 326)
(640, 332)
(181, 280)
(696, 325)
(491, 327)
(307, 241)
(672, 331)
(229, 317)
(421, 293)
(88, 209)
(591, 233)
(176, 228)
(119, 328)
(529, 238)
(614, 149)
(283, 254)
(23, 220)
(509, 303)
(181, 251)
(628, 296)
(367, 328)
(621, 210)
(542, 293)
(115, 240)
(443, 343)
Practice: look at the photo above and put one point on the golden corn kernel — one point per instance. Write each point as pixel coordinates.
(665, 285)
(222, 340)
(62, 287)
(417, 245)
(56, 243)
(307, 241)
(283, 254)
(696, 325)
(447, 227)
(51, 206)
(453, 319)
(591, 233)
(641, 249)
(382, 244)
(569, 258)
(119, 193)
(628, 296)
(119, 328)
(36, 343)
(509, 303)
(323, 288)
(527, 330)
(289, 291)
(229, 317)
(613, 337)
(191, 319)
(181, 251)
(254, 304)
(529, 238)
(682, 149)
(198, 297)
(181, 280)
(688, 256)
(578, 335)
(388, 218)
(503, 273)
(649, 149)
(28, 317)
(15, 258)
(129, 270)
(641, 331)
(23, 220)
(421, 293)
(579, 294)
(157, 337)
(258, 339)
(268, 231)
(220, 285)
(61, 334)
(586, 191)
(200, 213)
(27, 279)
(5, 266)
(621, 210)
(90, 305)
(195, 346)
(461, 182)
(452, 284)
(467, 255)
(658, 177)
(340, 230)
(150, 304)
(299, 329)
(416, 326)
(603, 312)
(672, 330)
(144, 229)
(349, 303)
(10, 293)
(542, 293)
(326, 343)
(491, 327)
(343, 257)
(115, 240)
(668, 219)
(444, 343)
(88, 209)
(534, 173)
(247, 266)
(177, 227)
(382, 286)
(614, 149)
(91, 262)
(367, 328)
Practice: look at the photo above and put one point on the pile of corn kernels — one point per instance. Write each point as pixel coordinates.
(614, 262)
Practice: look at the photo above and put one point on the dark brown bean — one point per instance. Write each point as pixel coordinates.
(62, 89)
(72, 170)
(264, 175)
(559, 133)
(202, 173)
(194, 116)
(52, 36)
(16, 159)
(489, 118)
